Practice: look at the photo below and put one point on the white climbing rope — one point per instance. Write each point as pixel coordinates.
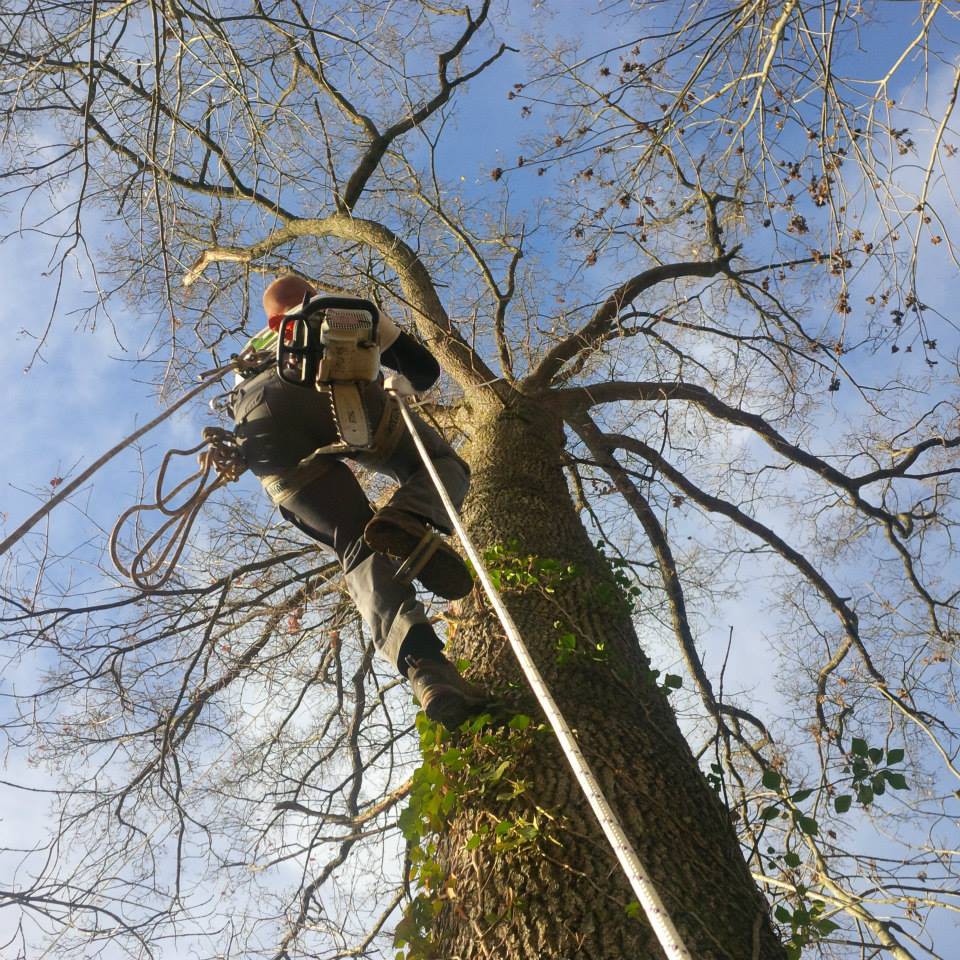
(154, 562)
(657, 915)
(247, 359)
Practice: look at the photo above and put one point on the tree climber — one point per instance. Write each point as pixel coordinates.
(293, 440)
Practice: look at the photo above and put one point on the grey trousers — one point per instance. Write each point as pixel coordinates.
(278, 424)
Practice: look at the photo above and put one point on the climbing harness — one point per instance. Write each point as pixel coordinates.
(281, 486)
(330, 344)
(653, 906)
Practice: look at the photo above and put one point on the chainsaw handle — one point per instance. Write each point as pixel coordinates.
(298, 351)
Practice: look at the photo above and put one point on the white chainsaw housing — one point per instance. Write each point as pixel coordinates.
(350, 351)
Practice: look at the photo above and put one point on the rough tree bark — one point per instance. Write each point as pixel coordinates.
(562, 895)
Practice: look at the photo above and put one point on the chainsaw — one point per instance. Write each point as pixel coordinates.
(330, 344)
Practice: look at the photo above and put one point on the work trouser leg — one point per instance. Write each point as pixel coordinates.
(277, 426)
(416, 492)
(334, 510)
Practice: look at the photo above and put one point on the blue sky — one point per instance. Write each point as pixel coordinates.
(85, 393)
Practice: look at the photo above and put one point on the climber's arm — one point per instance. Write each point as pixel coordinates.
(411, 358)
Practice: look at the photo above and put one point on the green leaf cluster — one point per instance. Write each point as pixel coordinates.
(474, 763)
(715, 777)
(626, 589)
(509, 569)
(871, 772)
(670, 682)
(806, 921)
(787, 806)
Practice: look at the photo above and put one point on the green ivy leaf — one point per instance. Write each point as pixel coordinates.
(672, 681)
(409, 824)
(875, 754)
(800, 796)
(500, 771)
(771, 779)
(808, 825)
(782, 914)
(896, 780)
(478, 723)
(768, 813)
(632, 909)
(842, 803)
(520, 722)
(865, 795)
(894, 756)
(826, 927)
(791, 859)
(474, 841)
(858, 747)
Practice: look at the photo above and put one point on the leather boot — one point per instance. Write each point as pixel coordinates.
(444, 695)
(403, 537)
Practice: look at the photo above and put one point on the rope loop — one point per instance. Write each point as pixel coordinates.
(154, 562)
(223, 453)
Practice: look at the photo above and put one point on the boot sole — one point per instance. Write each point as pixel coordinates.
(445, 574)
(449, 710)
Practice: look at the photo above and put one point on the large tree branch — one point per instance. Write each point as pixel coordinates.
(594, 331)
(848, 618)
(907, 460)
(380, 142)
(612, 391)
(457, 357)
(600, 446)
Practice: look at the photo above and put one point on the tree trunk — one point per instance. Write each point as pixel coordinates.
(527, 872)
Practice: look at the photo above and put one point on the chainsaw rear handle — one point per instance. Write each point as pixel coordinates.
(299, 349)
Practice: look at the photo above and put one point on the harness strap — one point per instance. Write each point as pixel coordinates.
(281, 486)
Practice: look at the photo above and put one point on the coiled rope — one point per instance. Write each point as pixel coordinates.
(149, 570)
(248, 360)
(643, 886)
